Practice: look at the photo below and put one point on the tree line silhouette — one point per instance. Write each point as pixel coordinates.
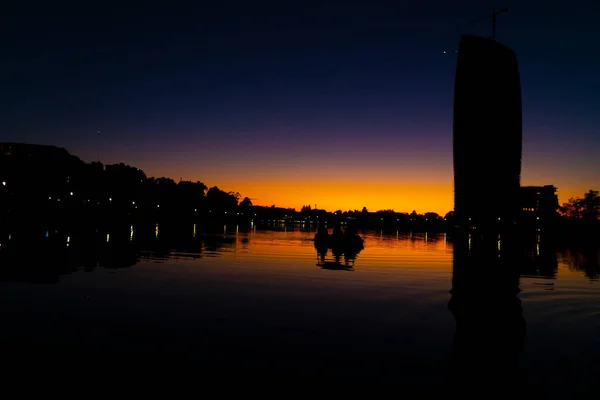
(46, 185)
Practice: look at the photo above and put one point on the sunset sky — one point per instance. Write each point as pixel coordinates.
(338, 106)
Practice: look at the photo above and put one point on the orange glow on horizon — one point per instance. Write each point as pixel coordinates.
(389, 178)
(422, 190)
(428, 196)
(351, 196)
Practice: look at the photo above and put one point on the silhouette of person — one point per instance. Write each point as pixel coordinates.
(322, 237)
(351, 233)
(338, 233)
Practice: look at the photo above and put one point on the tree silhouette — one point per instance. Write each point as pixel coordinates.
(432, 216)
(591, 205)
(245, 204)
(587, 207)
(218, 200)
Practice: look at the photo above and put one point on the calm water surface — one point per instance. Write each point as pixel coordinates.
(264, 300)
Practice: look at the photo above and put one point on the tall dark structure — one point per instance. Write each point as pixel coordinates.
(487, 132)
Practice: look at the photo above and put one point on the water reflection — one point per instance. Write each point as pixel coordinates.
(338, 259)
(541, 259)
(87, 248)
(490, 328)
(341, 250)
(584, 258)
(44, 258)
(264, 285)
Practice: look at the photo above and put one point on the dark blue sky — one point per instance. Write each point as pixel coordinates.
(244, 92)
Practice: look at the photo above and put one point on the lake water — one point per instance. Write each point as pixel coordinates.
(264, 302)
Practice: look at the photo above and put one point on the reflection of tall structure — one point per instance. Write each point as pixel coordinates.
(487, 131)
(490, 329)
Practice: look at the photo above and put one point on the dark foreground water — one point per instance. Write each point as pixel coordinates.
(265, 304)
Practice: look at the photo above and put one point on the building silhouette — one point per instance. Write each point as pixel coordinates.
(487, 138)
(539, 202)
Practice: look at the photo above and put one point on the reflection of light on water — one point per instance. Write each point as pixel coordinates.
(225, 228)
(537, 249)
(131, 233)
(237, 229)
(9, 236)
(469, 242)
(445, 241)
(68, 240)
(499, 242)
(47, 233)
(107, 237)
(156, 231)
(194, 230)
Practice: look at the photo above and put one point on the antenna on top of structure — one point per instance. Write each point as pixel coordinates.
(494, 14)
(473, 22)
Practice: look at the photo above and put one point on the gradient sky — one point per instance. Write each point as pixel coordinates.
(336, 105)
